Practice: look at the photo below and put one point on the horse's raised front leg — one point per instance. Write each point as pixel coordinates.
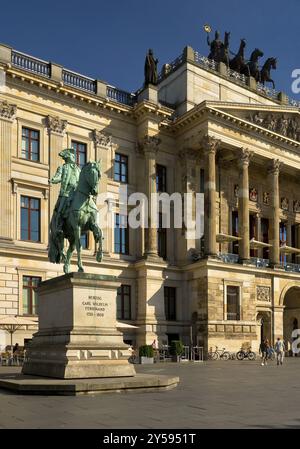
(77, 232)
(68, 256)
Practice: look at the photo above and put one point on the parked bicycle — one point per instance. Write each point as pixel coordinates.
(246, 354)
(218, 354)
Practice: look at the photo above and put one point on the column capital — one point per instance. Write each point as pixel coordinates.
(101, 139)
(150, 144)
(209, 144)
(7, 111)
(275, 166)
(56, 125)
(245, 156)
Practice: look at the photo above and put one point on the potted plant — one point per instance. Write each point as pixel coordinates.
(146, 354)
(176, 350)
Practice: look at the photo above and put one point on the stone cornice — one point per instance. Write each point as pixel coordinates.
(68, 91)
(204, 110)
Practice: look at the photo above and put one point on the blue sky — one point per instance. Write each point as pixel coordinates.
(108, 39)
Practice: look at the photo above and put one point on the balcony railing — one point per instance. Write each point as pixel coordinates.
(70, 78)
(120, 96)
(294, 267)
(79, 81)
(259, 262)
(228, 257)
(30, 64)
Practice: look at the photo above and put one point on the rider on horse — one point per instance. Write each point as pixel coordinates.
(67, 175)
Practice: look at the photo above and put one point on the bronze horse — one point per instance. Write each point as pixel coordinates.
(253, 64)
(266, 69)
(238, 63)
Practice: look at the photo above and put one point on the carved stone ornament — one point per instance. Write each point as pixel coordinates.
(263, 293)
(7, 110)
(281, 124)
(284, 203)
(101, 139)
(296, 206)
(57, 125)
(275, 166)
(253, 195)
(209, 144)
(266, 198)
(150, 144)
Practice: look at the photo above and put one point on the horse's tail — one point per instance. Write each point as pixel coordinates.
(56, 245)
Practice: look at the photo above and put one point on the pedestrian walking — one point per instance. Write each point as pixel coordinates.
(264, 351)
(279, 349)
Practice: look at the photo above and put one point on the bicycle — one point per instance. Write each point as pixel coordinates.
(245, 354)
(217, 354)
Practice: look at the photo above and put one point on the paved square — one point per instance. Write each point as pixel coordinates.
(211, 395)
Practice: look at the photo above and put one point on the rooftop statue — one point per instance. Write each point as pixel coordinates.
(238, 63)
(150, 70)
(75, 211)
(265, 74)
(219, 51)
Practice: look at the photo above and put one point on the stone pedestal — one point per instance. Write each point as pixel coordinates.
(77, 336)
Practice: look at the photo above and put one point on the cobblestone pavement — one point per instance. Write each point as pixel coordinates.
(222, 394)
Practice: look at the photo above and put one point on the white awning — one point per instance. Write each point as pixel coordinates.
(256, 244)
(289, 250)
(223, 238)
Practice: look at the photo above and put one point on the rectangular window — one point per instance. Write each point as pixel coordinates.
(233, 303)
(161, 238)
(253, 233)
(202, 180)
(294, 241)
(124, 302)
(80, 152)
(170, 303)
(121, 168)
(265, 236)
(121, 234)
(30, 219)
(30, 144)
(161, 178)
(30, 283)
(282, 238)
(235, 231)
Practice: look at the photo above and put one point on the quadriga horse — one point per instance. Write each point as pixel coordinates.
(81, 217)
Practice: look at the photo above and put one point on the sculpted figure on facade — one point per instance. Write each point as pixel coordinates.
(150, 70)
(296, 206)
(75, 211)
(284, 203)
(266, 198)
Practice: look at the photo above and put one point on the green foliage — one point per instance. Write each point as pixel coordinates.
(176, 347)
(146, 351)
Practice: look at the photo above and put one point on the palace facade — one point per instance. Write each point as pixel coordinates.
(203, 130)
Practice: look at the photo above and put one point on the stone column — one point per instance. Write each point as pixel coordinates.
(102, 144)
(56, 130)
(243, 208)
(7, 116)
(210, 145)
(274, 228)
(150, 146)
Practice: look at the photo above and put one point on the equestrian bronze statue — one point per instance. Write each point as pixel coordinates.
(75, 211)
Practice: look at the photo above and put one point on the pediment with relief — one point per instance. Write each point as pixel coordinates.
(281, 120)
